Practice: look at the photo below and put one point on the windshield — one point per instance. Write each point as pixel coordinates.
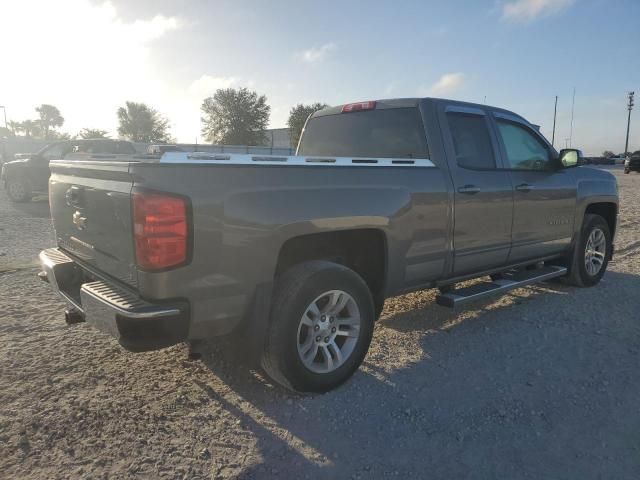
(383, 133)
(54, 151)
(51, 146)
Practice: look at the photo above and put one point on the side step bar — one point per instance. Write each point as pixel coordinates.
(511, 280)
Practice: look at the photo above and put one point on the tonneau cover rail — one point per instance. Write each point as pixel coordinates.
(247, 159)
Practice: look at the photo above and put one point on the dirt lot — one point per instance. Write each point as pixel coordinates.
(541, 383)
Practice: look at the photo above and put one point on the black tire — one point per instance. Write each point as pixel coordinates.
(18, 190)
(626, 170)
(294, 291)
(578, 274)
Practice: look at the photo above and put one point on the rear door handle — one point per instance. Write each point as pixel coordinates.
(469, 189)
(525, 187)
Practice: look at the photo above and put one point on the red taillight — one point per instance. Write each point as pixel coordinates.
(358, 106)
(160, 230)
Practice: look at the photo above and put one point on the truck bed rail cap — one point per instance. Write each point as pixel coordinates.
(308, 161)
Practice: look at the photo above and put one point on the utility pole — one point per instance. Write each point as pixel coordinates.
(4, 109)
(553, 135)
(629, 107)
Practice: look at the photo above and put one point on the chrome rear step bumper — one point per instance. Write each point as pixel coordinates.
(136, 323)
(510, 281)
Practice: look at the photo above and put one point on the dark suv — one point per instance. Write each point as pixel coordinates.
(632, 164)
(29, 173)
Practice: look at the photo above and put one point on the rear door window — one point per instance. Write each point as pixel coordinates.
(471, 141)
(382, 133)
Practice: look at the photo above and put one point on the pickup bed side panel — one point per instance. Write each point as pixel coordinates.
(242, 216)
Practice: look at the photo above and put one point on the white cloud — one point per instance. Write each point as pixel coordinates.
(316, 54)
(82, 57)
(447, 84)
(529, 10)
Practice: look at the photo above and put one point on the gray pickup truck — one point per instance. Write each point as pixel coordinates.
(295, 255)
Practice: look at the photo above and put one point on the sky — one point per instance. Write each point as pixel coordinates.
(88, 57)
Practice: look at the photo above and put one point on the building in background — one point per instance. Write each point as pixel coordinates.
(279, 138)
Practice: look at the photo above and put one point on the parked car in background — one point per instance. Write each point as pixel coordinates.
(297, 254)
(599, 161)
(161, 149)
(28, 174)
(632, 163)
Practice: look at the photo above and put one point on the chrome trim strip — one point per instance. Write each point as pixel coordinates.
(246, 159)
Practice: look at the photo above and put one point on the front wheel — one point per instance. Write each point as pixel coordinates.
(592, 252)
(18, 190)
(320, 328)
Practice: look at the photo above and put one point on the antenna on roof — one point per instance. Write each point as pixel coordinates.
(553, 135)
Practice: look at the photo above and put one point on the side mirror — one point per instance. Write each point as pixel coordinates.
(570, 157)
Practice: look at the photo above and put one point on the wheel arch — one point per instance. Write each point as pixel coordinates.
(364, 250)
(607, 210)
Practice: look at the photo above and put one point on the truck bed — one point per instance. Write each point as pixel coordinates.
(243, 209)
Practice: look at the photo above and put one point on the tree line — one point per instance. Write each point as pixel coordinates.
(230, 116)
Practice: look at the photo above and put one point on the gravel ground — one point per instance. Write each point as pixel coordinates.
(541, 383)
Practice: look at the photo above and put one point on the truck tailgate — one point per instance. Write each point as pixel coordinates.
(91, 211)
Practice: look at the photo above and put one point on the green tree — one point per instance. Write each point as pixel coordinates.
(30, 128)
(14, 126)
(93, 133)
(49, 118)
(55, 135)
(297, 118)
(608, 154)
(141, 123)
(235, 117)
(6, 132)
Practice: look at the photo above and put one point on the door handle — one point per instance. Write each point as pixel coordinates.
(469, 189)
(525, 187)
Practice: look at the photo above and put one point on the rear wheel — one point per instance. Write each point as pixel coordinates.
(590, 257)
(18, 189)
(320, 329)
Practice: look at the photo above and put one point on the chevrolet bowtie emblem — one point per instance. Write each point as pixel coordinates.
(79, 221)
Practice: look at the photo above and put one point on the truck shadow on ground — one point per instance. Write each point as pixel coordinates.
(524, 385)
(37, 208)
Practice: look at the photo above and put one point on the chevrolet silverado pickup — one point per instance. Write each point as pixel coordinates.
(298, 253)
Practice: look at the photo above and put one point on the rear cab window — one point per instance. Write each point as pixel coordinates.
(377, 133)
